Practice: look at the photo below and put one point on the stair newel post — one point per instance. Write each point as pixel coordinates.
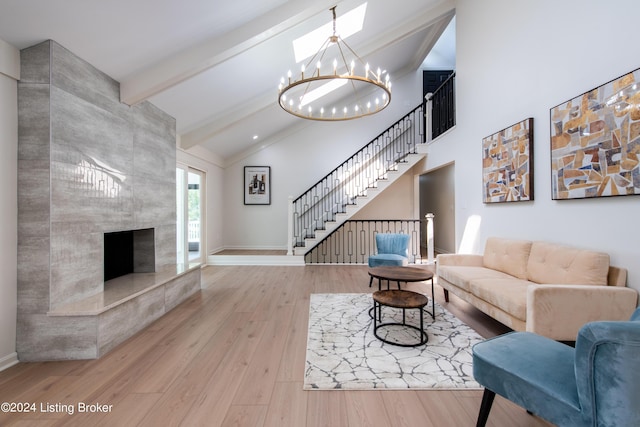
(430, 257)
(428, 114)
(290, 226)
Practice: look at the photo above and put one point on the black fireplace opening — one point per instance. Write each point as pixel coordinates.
(118, 254)
(128, 251)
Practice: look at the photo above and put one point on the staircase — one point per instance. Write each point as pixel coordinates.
(352, 185)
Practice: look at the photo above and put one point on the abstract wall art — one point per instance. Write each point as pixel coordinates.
(595, 142)
(507, 164)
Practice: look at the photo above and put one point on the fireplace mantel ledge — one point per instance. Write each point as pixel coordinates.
(122, 289)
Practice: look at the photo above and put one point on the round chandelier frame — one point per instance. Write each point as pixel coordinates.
(369, 93)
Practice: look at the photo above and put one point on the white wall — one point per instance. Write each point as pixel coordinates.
(297, 162)
(517, 60)
(9, 73)
(396, 202)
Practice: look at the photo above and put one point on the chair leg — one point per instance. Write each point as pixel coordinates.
(485, 407)
(446, 295)
(370, 281)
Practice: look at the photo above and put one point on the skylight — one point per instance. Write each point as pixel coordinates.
(346, 25)
(322, 91)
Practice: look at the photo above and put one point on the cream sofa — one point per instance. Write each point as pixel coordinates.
(539, 287)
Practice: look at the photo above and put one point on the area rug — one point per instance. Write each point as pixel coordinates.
(343, 353)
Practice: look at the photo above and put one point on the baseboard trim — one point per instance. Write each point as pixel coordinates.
(8, 361)
(255, 260)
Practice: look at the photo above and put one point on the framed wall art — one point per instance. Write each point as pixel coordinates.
(507, 164)
(257, 185)
(595, 142)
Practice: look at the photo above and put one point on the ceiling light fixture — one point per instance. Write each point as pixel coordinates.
(346, 94)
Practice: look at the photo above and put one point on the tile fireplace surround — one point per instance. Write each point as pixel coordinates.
(89, 165)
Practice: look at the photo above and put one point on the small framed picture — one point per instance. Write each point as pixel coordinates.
(257, 185)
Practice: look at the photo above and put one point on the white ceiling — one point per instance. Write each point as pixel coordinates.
(214, 65)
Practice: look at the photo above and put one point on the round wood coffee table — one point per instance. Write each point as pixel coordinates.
(403, 274)
(404, 300)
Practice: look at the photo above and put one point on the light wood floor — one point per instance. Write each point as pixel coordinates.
(233, 355)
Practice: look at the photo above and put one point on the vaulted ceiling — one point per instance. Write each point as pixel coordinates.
(215, 65)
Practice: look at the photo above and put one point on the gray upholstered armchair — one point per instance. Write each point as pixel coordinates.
(595, 384)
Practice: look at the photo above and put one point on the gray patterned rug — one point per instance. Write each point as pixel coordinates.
(343, 353)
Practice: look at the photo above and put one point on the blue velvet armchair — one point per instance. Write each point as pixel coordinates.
(597, 383)
(393, 250)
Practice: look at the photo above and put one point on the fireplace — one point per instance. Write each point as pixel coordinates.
(129, 251)
(89, 165)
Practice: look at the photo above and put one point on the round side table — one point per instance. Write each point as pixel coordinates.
(398, 298)
(403, 274)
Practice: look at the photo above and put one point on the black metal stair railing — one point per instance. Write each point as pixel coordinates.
(354, 241)
(443, 107)
(340, 187)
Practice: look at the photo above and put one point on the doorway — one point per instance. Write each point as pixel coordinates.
(190, 227)
(437, 196)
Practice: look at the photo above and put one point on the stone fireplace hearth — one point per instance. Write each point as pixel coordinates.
(90, 165)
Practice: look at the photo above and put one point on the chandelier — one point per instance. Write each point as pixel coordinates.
(345, 89)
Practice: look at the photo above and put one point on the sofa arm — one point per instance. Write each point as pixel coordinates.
(559, 311)
(468, 260)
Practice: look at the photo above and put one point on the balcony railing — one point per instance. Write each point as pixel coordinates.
(194, 231)
(355, 240)
(441, 107)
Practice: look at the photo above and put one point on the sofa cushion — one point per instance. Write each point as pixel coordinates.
(508, 256)
(509, 295)
(460, 276)
(557, 264)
